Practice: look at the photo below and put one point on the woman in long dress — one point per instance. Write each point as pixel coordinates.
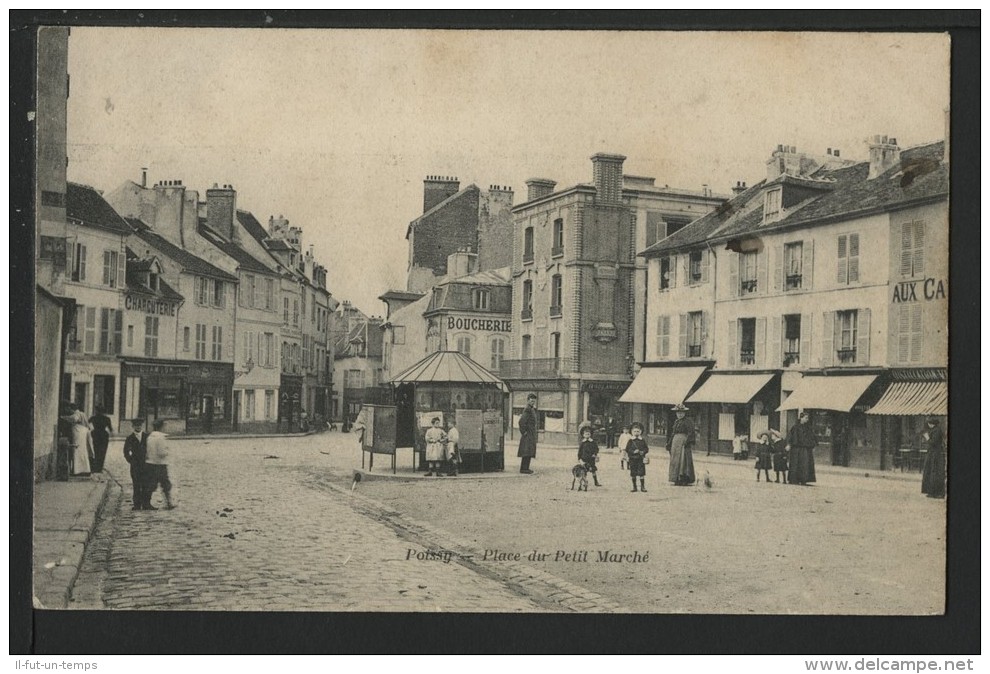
(933, 475)
(679, 441)
(80, 438)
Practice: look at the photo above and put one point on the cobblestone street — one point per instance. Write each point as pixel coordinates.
(272, 524)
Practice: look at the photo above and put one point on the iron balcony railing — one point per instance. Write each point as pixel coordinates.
(536, 368)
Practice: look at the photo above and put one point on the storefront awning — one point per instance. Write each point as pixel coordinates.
(662, 385)
(910, 398)
(730, 388)
(837, 393)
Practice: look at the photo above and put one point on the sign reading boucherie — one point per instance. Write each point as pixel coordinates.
(489, 324)
(150, 305)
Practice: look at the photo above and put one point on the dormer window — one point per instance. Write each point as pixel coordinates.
(153, 281)
(771, 205)
(482, 298)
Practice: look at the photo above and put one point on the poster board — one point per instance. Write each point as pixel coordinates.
(469, 426)
(379, 436)
(492, 423)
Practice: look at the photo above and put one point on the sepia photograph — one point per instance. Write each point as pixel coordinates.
(491, 321)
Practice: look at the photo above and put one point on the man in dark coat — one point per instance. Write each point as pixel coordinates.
(933, 475)
(527, 434)
(136, 453)
(609, 431)
(801, 443)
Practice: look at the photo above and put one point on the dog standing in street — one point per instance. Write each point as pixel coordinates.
(580, 474)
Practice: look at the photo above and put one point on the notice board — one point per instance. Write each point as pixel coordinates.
(492, 421)
(469, 426)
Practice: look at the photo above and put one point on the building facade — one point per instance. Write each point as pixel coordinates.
(823, 287)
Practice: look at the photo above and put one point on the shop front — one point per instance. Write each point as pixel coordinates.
(730, 410)
(654, 391)
(910, 397)
(155, 389)
(93, 381)
(209, 388)
(838, 403)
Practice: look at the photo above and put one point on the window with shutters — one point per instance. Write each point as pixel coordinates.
(151, 336)
(269, 294)
(219, 294)
(848, 255)
(747, 341)
(464, 345)
(695, 334)
(527, 300)
(663, 336)
(771, 205)
(248, 354)
(528, 245)
(498, 353)
(268, 350)
(89, 345)
(249, 289)
(285, 310)
(202, 287)
(748, 264)
(111, 331)
(666, 273)
(846, 324)
(481, 298)
(556, 295)
(558, 238)
(792, 340)
(249, 405)
(912, 249)
(79, 263)
(295, 312)
(111, 265)
(216, 351)
(910, 336)
(694, 266)
(793, 258)
(269, 404)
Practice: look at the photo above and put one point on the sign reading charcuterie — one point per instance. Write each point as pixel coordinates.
(149, 305)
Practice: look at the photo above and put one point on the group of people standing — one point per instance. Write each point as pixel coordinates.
(793, 458)
(441, 449)
(87, 439)
(148, 455)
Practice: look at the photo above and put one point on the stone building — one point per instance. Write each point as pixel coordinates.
(824, 287)
(357, 343)
(576, 283)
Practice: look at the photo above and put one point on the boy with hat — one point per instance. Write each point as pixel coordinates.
(636, 450)
(588, 452)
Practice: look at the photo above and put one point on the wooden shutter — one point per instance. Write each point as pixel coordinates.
(919, 249)
(907, 248)
(686, 268)
(807, 263)
(863, 337)
(706, 341)
(704, 265)
(917, 332)
(106, 267)
(734, 275)
(683, 335)
(842, 275)
(762, 281)
(828, 338)
(665, 343)
(121, 269)
(660, 336)
(806, 340)
(733, 340)
(854, 258)
(774, 343)
(118, 331)
(778, 268)
(761, 342)
(673, 272)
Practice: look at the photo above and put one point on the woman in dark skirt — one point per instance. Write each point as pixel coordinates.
(102, 428)
(933, 475)
(679, 441)
(637, 450)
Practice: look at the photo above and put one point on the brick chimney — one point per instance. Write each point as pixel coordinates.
(221, 208)
(461, 263)
(539, 187)
(438, 188)
(884, 155)
(607, 170)
(739, 188)
(169, 210)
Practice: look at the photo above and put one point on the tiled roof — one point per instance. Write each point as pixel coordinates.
(244, 260)
(251, 224)
(921, 175)
(279, 244)
(85, 205)
(137, 265)
(187, 260)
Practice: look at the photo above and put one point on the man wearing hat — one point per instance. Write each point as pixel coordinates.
(679, 441)
(933, 475)
(136, 453)
(527, 434)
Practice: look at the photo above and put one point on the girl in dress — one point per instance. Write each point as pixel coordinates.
(636, 450)
(436, 446)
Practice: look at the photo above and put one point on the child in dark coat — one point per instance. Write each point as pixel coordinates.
(636, 450)
(588, 453)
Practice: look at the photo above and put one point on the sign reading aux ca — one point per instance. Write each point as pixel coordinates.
(912, 291)
(486, 324)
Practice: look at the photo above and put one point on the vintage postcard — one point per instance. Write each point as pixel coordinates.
(507, 321)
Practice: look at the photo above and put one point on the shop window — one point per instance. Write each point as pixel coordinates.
(747, 341)
(793, 256)
(792, 340)
(848, 256)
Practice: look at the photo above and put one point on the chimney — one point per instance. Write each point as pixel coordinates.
(607, 170)
(169, 210)
(739, 188)
(461, 263)
(438, 188)
(221, 208)
(539, 187)
(144, 176)
(884, 155)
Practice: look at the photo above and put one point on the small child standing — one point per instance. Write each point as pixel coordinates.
(779, 453)
(764, 455)
(157, 464)
(624, 439)
(637, 450)
(588, 453)
(453, 453)
(436, 440)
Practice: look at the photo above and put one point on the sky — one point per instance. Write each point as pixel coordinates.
(336, 129)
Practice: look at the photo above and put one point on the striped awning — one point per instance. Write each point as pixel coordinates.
(914, 398)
